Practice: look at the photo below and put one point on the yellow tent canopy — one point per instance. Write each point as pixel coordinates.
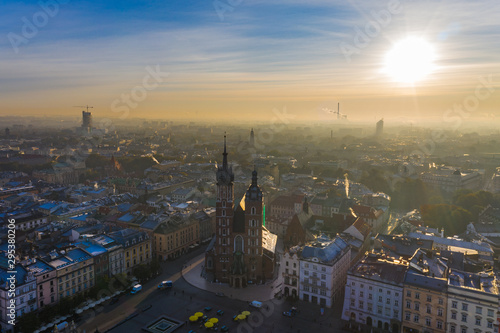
(193, 318)
(241, 317)
(213, 320)
(246, 313)
(199, 314)
(209, 324)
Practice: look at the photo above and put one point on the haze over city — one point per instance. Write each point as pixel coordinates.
(240, 61)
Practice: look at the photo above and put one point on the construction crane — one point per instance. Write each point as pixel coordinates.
(84, 106)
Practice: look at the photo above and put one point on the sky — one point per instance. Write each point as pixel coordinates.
(242, 59)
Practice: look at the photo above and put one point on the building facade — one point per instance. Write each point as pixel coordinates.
(291, 273)
(74, 271)
(136, 245)
(424, 303)
(374, 294)
(174, 237)
(24, 298)
(472, 302)
(323, 270)
(46, 280)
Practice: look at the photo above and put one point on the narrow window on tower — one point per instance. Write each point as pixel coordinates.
(253, 211)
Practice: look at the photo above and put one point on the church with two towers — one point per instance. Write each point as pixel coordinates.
(242, 250)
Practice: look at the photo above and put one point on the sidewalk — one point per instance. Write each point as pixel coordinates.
(192, 274)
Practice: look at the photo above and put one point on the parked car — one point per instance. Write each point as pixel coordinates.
(220, 294)
(287, 314)
(224, 329)
(136, 289)
(220, 312)
(114, 300)
(207, 309)
(235, 318)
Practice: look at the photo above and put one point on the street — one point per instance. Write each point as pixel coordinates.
(183, 300)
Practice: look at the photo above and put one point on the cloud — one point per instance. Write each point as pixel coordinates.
(270, 50)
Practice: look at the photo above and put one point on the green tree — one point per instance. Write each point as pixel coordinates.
(452, 218)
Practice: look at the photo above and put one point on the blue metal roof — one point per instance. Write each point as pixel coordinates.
(324, 251)
(78, 255)
(93, 249)
(126, 218)
(20, 276)
(40, 267)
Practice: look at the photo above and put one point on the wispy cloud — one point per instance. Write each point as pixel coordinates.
(264, 50)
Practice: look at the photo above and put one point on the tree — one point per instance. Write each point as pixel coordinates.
(409, 194)
(94, 161)
(452, 218)
(375, 181)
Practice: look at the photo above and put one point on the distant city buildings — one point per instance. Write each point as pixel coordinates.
(451, 179)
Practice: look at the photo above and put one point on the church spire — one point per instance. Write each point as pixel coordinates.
(254, 176)
(224, 161)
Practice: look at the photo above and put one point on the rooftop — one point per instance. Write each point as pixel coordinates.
(325, 250)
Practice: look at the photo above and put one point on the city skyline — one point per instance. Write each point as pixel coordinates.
(243, 60)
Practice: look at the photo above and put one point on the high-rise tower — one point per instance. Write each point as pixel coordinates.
(86, 122)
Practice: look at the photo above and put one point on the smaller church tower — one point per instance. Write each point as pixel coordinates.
(252, 139)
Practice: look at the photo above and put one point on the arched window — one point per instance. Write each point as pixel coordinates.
(223, 212)
(253, 211)
(238, 244)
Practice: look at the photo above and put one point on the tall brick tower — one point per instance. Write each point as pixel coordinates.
(242, 249)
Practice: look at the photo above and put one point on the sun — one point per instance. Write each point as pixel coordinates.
(410, 60)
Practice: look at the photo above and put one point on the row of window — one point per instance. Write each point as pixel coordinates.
(369, 308)
(322, 292)
(380, 298)
(453, 328)
(428, 308)
(315, 267)
(428, 320)
(465, 307)
(380, 290)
